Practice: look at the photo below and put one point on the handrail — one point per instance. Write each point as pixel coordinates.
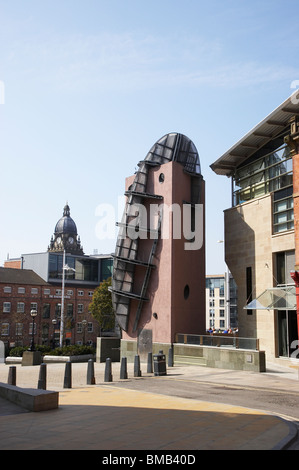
(218, 340)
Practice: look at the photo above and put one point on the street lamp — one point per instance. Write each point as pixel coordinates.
(54, 322)
(84, 323)
(65, 267)
(33, 314)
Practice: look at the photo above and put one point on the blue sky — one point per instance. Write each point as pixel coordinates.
(90, 86)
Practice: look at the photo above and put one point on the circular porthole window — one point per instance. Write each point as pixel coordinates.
(161, 178)
(186, 292)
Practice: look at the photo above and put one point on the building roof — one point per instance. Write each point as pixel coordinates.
(20, 276)
(66, 224)
(258, 137)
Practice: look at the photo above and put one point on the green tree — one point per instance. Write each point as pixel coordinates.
(101, 306)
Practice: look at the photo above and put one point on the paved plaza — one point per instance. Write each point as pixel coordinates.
(126, 415)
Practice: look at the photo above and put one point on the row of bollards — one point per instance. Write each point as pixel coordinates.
(159, 360)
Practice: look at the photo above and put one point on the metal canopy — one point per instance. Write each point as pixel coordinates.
(258, 137)
(276, 298)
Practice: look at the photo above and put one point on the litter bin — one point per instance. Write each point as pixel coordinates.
(160, 364)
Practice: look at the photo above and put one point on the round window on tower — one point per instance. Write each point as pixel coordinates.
(186, 292)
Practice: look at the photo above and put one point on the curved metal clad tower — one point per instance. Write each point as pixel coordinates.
(172, 147)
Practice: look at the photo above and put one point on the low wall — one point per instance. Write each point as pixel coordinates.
(80, 358)
(29, 398)
(220, 357)
(129, 349)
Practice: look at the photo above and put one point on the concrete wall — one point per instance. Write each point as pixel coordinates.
(129, 349)
(221, 358)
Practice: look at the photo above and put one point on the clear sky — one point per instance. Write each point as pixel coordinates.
(87, 87)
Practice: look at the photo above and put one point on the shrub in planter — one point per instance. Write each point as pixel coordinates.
(72, 350)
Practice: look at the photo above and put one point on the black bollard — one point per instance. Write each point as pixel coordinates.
(12, 375)
(123, 368)
(150, 362)
(108, 373)
(68, 375)
(42, 380)
(137, 371)
(90, 373)
(170, 357)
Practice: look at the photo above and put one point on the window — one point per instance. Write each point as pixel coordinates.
(69, 292)
(90, 293)
(58, 292)
(6, 307)
(249, 287)
(5, 329)
(21, 290)
(34, 290)
(57, 310)
(33, 306)
(69, 310)
(79, 327)
(283, 210)
(30, 328)
(47, 291)
(80, 293)
(7, 290)
(90, 327)
(285, 262)
(46, 311)
(269, 173)
(80, 308)
(19, 329)
(221, 313)
(20, 307)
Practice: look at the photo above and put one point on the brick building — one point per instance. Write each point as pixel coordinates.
(22, 290)
(34, 282)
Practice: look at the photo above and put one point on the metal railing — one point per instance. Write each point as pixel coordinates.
(218, 340)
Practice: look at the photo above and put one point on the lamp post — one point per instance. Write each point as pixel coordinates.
(33, 314)
(54, 322)
(65, 267)
(84, 323)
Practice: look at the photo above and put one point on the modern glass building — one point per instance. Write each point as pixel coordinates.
(261, 239)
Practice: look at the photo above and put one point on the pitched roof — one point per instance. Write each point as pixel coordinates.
(20, 276)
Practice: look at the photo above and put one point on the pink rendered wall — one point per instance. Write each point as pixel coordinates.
(175, 268)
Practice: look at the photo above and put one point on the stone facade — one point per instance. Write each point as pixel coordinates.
(250, 243)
